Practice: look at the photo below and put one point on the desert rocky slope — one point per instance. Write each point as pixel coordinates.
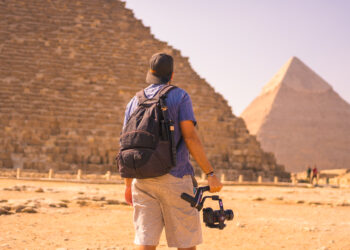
(59, 215)
(68, 69)
(300, 118)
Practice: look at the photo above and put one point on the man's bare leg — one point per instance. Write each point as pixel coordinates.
(146, 247)
(190, 248)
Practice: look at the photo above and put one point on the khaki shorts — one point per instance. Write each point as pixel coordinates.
(157, 204)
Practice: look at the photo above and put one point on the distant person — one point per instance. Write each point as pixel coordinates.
(156, 200)
(314, 175)
(308, 172)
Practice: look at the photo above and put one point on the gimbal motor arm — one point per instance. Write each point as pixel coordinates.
(196, 201)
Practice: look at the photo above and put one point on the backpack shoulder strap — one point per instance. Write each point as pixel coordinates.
(161, 94)
(164, 91)
(141, 96)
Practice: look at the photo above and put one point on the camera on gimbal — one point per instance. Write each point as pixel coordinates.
(211, 218)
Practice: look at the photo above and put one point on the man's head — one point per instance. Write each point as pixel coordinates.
(161, 69)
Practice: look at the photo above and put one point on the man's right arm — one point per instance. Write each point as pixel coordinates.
(128, 194)
(196, 149)
(128, 181)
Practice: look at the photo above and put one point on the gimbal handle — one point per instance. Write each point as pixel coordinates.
(196, 201)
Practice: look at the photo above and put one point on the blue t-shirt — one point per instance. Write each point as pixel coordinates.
(180, 109)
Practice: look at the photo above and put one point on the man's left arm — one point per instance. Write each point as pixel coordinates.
(193, 143)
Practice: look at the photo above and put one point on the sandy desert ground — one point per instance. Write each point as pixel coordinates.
(91, 216)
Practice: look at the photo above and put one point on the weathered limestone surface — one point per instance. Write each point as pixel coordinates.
(300, 118)
(68, 69)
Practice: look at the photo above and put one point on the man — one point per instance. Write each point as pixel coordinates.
(314, 175)
(156, 201)
(308, 172)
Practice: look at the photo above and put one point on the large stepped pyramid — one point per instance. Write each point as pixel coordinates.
(68, 69)
(300, 118)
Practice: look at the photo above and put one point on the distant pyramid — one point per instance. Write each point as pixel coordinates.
(300, 118)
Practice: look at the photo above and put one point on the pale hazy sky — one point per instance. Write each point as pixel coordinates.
(238, 45)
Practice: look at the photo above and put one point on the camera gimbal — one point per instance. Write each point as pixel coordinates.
(212, 218)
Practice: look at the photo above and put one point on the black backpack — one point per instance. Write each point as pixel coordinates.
(147, 141)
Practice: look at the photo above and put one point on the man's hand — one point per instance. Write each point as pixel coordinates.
(128, 194)
(214, 184)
